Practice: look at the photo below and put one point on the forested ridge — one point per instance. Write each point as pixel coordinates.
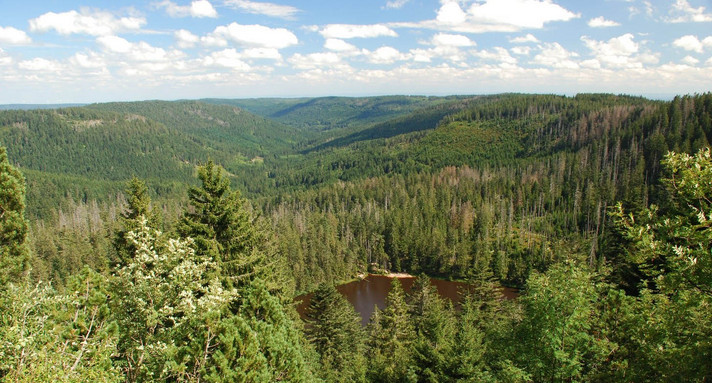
(132, 268)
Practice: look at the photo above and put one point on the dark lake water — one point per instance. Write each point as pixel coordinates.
(366, 293)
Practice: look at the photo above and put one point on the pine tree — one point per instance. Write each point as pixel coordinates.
(14, 251)
(334, 328)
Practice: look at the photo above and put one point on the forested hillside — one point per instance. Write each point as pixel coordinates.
(596, 206)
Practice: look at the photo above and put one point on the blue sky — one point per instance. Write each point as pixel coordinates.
(95, 51)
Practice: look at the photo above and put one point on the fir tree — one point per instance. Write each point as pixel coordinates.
(224, 230)
(14, 252)
(139, 205)
(391, 340)
(334, 328)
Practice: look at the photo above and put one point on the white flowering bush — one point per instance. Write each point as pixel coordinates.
(169, 302)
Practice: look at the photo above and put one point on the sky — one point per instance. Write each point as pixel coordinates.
(83, 51)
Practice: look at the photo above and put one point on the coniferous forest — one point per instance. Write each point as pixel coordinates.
(166, 241)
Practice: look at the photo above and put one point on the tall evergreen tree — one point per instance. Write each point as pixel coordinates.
(334, 328)
(224, 230)
(391, 340)
(139, 205)
(14, 251)
(434, 324)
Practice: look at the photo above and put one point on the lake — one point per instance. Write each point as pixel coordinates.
(364, 294)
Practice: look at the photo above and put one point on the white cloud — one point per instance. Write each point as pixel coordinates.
(227, 58)
(683, 12)
(252, 35)
(555, 56)
(262, 53)
(197, 8)
(689, 60)
(529, 38)
(494, 16)
(267, 9)
(524, 51)
(95, 23)
(519, 13)
(396, 4)
(692, 43)
(314, 60)
(601, 22)
(451, 14)
(88, 61)
(185, 38)
(10, 35)
(115, 44)
(350, 31)
(386, 55)
(141, 51)
(619, 52)
(339, 45)
(444, 39)
(39, 64)
(498, 54)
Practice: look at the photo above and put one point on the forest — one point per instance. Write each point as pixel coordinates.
(166, 241)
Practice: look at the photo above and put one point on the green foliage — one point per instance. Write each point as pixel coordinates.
(47, 336)
(169, 307)
(391, 340)
(14, 254)
(673, 245)
(554, 340)
(334, 329)
(260, 343)
(138, 208)
(224, 230)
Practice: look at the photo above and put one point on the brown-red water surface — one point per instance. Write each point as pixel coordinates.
(366, 293)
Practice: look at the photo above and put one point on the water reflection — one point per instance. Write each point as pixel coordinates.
(372, 290)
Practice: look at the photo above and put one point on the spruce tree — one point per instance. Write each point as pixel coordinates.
(139, 205)
(14, 251)
(224, 230)
(334, 328)
(435, 327)
(392, 339)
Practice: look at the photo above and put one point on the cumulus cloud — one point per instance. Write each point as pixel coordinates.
(445, 39)
(197, 8)
(529, 38)
(350, 31)
(601, 22)
(252, 35)
(689, 60)
(95, 23)
(140, 51)
(260, 8)
(227, 58)
(692, 43)
(185, 38)
(396, 4)
(683, 12)
(556, 56)
(523, 51)
(10, 35)
(39, 64)
(619, 52)
(498, 54)
(338, 45)
(89, 60)
(386, 55)
(314, 60)
(495, 16)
